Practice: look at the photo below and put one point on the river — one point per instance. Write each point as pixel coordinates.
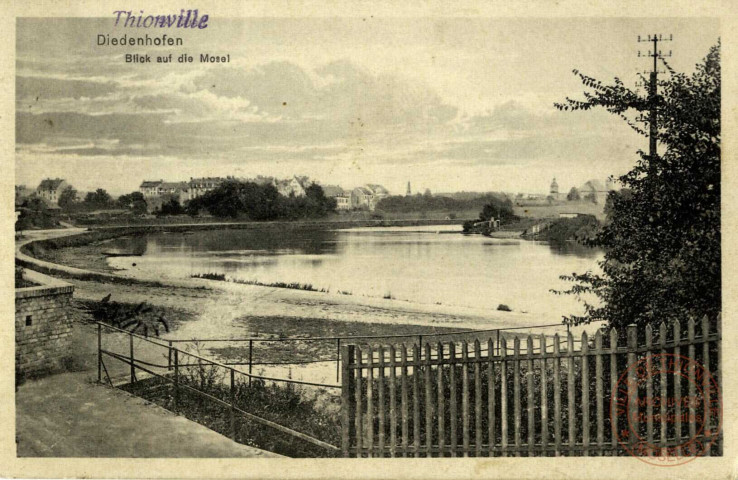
(420, 264)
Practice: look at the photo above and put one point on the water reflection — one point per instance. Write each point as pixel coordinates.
(421, 266)
(576, 249)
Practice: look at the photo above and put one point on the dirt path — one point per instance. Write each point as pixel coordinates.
(67, 415)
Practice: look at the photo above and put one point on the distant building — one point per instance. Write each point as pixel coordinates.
(50, 190)
(378, 191)
(554, 190)
(158, 192)
(343, 202)
(198, 187)
(294, 186)
(367, 196)
(594, 191)
(150, 188)
(343, 198)
(179, 189)
(361, 198)
(408, 192)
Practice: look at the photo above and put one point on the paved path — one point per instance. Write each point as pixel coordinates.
(67, 415)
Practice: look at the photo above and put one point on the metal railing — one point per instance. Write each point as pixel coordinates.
(171, 373)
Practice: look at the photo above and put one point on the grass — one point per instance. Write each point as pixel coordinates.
(312, 413)
(211, 276)
(291, 285)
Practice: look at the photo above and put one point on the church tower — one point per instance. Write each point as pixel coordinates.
(554, 192)
(408, 193)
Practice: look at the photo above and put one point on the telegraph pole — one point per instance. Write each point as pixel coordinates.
(653, 87)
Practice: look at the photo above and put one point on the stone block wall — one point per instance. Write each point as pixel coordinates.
(43, 328)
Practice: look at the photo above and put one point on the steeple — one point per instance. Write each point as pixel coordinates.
(408, 193)
(554, 191)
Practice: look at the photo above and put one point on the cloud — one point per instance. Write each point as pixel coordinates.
(226, 109)
(338, 91)
(29, 87)
(337, 115)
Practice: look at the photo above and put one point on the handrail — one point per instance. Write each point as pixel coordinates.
(219, 364)
(243, 413)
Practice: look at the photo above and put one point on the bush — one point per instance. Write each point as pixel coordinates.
(288, 405)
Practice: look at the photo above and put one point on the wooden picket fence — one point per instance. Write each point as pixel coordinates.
(537, 395)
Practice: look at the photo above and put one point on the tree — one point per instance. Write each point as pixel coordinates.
(323, 204)
(497, 209)
(171, 207)
(573, 195)
(34, 213)
(67, 198)
(98, 199)
(134, 201)
(662, 238)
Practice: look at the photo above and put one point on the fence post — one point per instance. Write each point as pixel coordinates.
(133, 369)
(169, 356)
(718, 372)
(632, 335)
(347, 400)
(706, 387)
(498, 341)
(99, 353)
(233, 405)
(251, 358)
(176, 379)
(677, 385)
(338, 359)
(570, 393)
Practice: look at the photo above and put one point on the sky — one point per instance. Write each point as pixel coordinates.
(446, 104)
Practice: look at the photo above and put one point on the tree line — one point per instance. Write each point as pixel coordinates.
(428, 202)
(232, 199)
(252, 201)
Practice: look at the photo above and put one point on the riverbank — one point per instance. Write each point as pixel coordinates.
(221, 301)
(180, 223)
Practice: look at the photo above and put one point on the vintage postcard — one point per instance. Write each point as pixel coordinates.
(368, 241)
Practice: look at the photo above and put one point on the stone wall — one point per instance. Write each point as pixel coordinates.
(43, 328)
